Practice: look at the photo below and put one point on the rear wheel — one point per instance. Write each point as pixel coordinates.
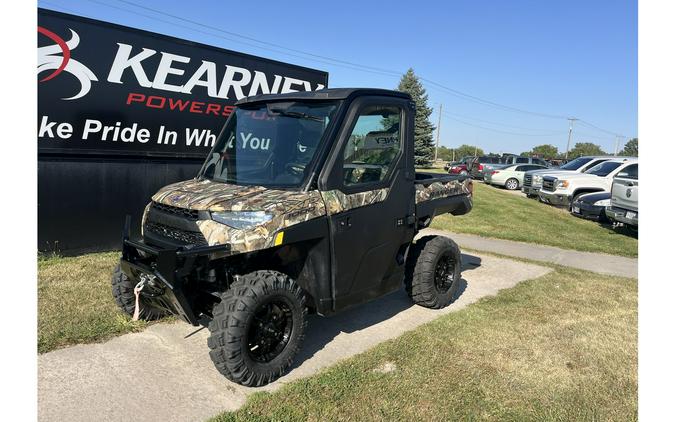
(511, 184)
(433, 272)
(257, 328)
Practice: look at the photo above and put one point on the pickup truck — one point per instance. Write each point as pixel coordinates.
(564, 189)
(623, 206)
(533, 179)
(308, 202)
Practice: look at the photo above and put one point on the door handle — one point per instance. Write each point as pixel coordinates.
(630, 184)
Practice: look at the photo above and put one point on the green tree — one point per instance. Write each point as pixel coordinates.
(444, 153)
(631, 148)
(545, 151)
(464, 150)
(424, 141)
(585, 148)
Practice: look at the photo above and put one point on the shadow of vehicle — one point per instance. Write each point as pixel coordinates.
(321, 331)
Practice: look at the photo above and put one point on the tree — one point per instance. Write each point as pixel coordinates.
(585, 148)
(630, 149)
(465, 150)
(545, 151)
(424, 141)
(444, 153)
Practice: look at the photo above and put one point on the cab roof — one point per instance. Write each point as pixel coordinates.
(323, 95)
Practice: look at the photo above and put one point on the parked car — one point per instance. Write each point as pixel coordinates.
(507, 161)
(564, 188)
(511, 177)
(459, 167)
(533, 179)
(624, 202)
(592, 206)
(477, 165)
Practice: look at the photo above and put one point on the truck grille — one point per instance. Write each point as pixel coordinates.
(179, 212)
(527, 181)
(549, 184)
(184, 236)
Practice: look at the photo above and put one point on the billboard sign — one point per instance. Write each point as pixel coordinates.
(106, 89)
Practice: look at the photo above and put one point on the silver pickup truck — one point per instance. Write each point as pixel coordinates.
(624, 203)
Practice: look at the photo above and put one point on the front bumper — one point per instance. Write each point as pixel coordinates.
(622, 215)
(530, 190)
(587, 211)
(556, 199)
(169, 270)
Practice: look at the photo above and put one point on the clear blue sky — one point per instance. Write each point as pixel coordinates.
(569, 58)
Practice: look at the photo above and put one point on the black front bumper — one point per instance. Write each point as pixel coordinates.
(169, 269)
(587, 211)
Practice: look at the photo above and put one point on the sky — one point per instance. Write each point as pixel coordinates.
(508, 74)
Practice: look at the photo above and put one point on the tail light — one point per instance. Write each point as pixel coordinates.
(494, 172)
(480, 167)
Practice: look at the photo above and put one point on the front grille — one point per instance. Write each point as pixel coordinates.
(180, 212)
(528, 180)
(549, 184)
(184, 236)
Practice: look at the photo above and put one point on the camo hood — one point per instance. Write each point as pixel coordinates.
(286, 208)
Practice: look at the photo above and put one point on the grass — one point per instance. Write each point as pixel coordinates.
(561, 347)
(499, 214)
(75, 303)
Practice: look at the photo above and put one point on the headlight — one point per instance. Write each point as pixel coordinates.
(241, 219)
(562, 184)
(537, 179)
(603, 203)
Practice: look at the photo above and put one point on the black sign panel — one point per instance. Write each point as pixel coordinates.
(110, 90)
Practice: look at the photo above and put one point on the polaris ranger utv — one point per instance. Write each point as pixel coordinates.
(308, 202)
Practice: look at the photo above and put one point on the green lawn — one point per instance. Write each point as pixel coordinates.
(75, 303)
(561, 347)
(497, 213)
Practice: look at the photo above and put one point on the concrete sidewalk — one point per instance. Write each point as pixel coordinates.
(164, 373)
(596, 262)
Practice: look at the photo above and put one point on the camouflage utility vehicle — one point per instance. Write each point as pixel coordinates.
(308, 202)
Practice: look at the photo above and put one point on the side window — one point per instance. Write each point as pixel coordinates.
(521, 168)
(522, 160)
(631, 172)
(373, 145)
(540, 162)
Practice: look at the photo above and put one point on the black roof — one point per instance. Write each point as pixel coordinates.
(323, 94)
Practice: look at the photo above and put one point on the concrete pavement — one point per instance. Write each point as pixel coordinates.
(590, 261)
(161, 374)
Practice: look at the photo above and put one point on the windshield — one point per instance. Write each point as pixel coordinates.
(575, 164)
(603, 169)
(270, 145)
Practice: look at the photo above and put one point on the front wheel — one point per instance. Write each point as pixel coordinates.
(257, 328)
(511, 184)
(433, 272)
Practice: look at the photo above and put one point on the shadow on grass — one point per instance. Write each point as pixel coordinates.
(321, 330)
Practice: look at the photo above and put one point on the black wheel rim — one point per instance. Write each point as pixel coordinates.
(270, 330)
(445, 273)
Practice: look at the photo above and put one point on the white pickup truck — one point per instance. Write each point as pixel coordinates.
(533, 179)
(624, 203)
(563, 189)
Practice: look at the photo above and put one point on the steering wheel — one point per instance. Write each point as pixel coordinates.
(295, 168)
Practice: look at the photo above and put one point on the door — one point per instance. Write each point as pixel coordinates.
(371, 199)
(625, 188)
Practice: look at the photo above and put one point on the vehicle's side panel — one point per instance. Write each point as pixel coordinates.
(625, 189)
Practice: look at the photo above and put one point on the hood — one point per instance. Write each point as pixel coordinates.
(592, 198)
(547, 172)
(207, 195)
(286, 208)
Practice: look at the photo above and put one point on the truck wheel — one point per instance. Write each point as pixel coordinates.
(511, 184)
(434, 271)
(123, 293)
(257, 328)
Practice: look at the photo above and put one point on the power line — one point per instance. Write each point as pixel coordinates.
(328, 60)
(500, 131)
(502, 124)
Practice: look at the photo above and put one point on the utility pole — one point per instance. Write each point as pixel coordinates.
(617, 144)
(438, 131)
(569, 137)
